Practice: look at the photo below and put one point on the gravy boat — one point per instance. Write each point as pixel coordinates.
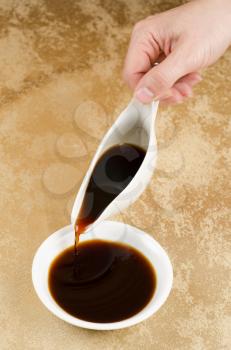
(134, 125)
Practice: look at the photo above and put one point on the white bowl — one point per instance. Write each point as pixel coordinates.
(111, 231)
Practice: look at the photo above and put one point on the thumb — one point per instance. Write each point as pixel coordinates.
(158, 80)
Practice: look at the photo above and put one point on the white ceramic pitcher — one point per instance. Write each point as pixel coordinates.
(135, 125)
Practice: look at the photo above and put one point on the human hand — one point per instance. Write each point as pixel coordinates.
(184, 40)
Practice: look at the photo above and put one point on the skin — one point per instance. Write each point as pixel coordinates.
(183, 41)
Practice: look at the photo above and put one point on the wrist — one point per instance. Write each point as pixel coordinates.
(222, 11)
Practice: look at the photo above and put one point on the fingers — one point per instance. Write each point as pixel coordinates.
(174, 99)
(142, 53)
(162, 77)
(181, 89)
(191, 78)
(172, 74)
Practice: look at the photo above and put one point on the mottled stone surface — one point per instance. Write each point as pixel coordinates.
(60, 60)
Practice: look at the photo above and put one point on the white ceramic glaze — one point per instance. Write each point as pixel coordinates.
(136, 125)
(112, 231)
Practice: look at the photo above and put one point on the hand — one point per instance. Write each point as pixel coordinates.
(184, 40)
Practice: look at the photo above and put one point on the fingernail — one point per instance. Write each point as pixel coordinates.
(144, 95)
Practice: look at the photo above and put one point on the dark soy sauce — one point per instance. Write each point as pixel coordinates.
(101, 281)
(112, 173)
(111, 282)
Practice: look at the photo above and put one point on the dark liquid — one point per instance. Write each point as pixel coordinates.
(111, 281)
(101, 281)
(112, 173)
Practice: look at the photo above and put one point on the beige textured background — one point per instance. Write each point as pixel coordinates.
(60, 80)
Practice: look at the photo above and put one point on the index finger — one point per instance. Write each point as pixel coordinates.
(142, 52)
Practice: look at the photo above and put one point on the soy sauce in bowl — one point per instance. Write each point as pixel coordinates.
(106, 282)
